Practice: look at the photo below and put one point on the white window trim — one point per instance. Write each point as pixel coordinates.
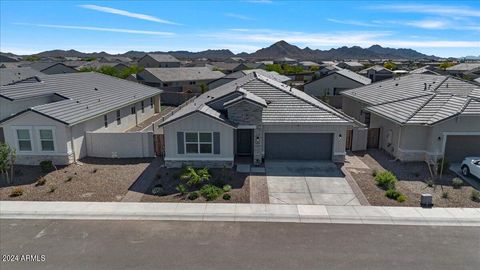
(40, 139)
(198, 142)
(17, 144)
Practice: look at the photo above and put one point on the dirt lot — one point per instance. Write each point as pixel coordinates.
(412, 181)
(94, 179)
(170, 179)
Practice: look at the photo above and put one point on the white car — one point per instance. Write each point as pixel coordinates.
(471, 165)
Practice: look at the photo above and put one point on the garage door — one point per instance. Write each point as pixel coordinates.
(460, 146)
(298, 146)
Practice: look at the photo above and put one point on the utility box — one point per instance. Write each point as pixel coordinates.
(426, 200)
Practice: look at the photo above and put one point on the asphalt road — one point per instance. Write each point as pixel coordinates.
(83, 244)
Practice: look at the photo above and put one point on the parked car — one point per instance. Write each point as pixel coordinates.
(471, 165)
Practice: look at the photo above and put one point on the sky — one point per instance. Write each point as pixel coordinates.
(442, 28)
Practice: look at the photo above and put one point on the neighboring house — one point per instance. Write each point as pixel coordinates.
(308, 64)
(14, 75)
(419, 117)
(465, 69)
(179, 84)
(285, 60)
(351, 65)
(376, 73)
(115, 59)
(158, 61)
(425, 70)
(255, 118)
(97, 65)
(49, 120)
(239, 74)
(50, 68)
(228, 67)
(324, 71)
(330, 86)
(6, 58)
(258, 65)
(75, 63)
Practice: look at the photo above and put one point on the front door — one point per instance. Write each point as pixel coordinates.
(244, 142)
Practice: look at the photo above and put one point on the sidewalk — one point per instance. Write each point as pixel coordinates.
(241, 212)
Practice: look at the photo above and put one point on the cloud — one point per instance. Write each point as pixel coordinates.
(354, 22)
(127, 14)
(462, 11)
(101, 29)
(428, 24)
(239, 16)
(260, 1)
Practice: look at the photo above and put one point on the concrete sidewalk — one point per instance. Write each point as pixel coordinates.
(241, 212)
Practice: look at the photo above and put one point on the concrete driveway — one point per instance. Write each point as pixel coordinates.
(299, 182)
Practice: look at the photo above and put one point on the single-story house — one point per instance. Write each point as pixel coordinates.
(254, 118)
(51, 67)
(257, 65)
(239, 74)
(326, 70)
(376, 73)
(308, 64)
(419, 117)
(97, 64)
(228, 67)
(425, 70)
(13, 75)
(115, 59)
(351, 65)
(464, 69)
(49, 120)
(154, 60)
(7, 58)
(331, 85)
(285, 60)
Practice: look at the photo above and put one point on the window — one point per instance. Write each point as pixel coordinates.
(367, 118)
(24, 140)
(198, 143)
(133, 110)
(193, 82)
(119, 118)
(46, 140)
(143, 106)
(105, 121)
(151, 102)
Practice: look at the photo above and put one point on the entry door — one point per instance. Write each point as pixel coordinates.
(244, 142)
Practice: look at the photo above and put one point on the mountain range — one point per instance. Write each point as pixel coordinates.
(276, 50)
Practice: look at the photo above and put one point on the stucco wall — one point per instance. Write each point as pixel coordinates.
(326, 85)
(147, 61)
(120, 145)
(353, 108)
(198, 123)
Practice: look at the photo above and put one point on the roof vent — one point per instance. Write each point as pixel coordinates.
(87, 107)
(78, 101)
(269, 102)
(396, 84)
(424, 86)
(96, 89)
(447, 85)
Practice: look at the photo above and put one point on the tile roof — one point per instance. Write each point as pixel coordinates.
(376, 68)
(12, 75)
(354, 76)
(423, 70)
(184, 74)
(464, 67)
(284, 103)
(164, 58)
(419, 98)
(86, 95)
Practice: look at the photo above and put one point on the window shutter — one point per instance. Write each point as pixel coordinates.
(216, 143)
(180, 144)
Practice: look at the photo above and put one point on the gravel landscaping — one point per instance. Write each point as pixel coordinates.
(413, 179)
(169, 179)
(93, 179)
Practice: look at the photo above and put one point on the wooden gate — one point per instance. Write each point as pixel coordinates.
(373, 138)
(159, 144)
(349, 140)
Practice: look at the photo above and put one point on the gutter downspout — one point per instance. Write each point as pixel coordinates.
(72, 145)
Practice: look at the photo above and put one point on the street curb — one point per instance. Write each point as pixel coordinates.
(241, 213)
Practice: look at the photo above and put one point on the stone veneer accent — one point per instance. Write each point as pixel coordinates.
(247, 113)
(199, 163)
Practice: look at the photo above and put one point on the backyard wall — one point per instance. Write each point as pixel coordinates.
(120, 145)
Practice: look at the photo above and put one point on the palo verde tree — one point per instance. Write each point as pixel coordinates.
(7, 160)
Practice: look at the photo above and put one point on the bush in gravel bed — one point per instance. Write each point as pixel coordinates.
(182, 189)
(475, 196)
(158, 190)
(195, 177)
(227, 188)
(227, 196)
(401, 198)
(430, 183)
(457, 183)
(193, 195)
(386, 180)
(210, 192)
(41, 182)
(52, 189)
(445, 194)
(392, 194)
(16, 192)
(47, 166)
(374, 173)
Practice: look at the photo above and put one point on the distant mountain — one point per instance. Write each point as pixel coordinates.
(471, 57)
(276, 50)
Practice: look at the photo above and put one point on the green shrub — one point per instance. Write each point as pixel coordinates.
(195, 177)
(47, 166)
(41, 182)
(475, 196)
(374, 173)
(392, 194)
(430, 183)
(445, 194)
(401, 198)
(457, 183)
(227, 188)
(158, 190)
(386, 180)
(446, 165)
(210, 192)
(227, 197)
(182, 189)
(193, 195)
(16, 192)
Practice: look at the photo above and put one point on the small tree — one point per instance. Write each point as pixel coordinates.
(203, 88)
(446, 65)
(7, 160)
(390, 65)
